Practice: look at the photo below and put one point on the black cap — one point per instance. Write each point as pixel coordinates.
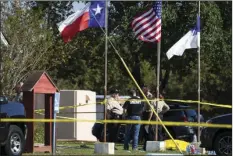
(132, 92)
(114, 91)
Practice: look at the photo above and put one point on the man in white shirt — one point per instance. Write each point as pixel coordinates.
(113, 105)
(147, 114)
(114, 112)
(150, 129)
(162, 108)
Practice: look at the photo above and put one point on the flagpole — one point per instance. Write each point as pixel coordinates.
(157, 89)
(105, 67)
(158, 80)
(199, 80)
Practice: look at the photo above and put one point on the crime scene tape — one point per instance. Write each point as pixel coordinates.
(63, 117)
(191, 124)
(74, 106)
(190, 101)
(203, 103)
(103, 102)
(135, 82)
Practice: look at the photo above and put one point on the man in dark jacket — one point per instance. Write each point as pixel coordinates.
(133, 108)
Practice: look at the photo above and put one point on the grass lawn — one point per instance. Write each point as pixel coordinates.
(79, 148)
(87, 148)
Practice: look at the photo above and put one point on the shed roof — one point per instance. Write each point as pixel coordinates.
(33, 78)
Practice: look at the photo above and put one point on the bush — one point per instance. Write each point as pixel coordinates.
(39, 132)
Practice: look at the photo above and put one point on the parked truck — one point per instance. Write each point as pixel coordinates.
(12, 134)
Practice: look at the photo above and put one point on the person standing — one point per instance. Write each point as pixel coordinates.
(147, 115)
(19, 93)
(162, 108)
(133, 108)
(151, 129)
(114, 112)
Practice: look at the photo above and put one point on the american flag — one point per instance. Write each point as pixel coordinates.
(147, 27)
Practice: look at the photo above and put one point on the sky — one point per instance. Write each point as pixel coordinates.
(78, 6)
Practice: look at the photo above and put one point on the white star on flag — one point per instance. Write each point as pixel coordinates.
(97, 10)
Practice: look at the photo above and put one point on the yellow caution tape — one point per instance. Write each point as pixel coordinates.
(190, 101)
(74, 106)
(203, 103)
(63, 117)
(103, 102)
(66, 119)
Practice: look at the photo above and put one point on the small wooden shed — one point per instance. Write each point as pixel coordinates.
(39, 82)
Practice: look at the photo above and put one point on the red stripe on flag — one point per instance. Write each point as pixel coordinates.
(147, 27)
(78, 25)
(154, 36)
(147, 22)
(138, 20)
(144, 30)
(153, 31)
(140, 15)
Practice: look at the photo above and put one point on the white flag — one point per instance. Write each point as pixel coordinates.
(4, 40)
(188, 41)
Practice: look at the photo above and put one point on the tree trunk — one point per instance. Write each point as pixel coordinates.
(164, 80)
(1, 64)
(1, 74)
(136, 69)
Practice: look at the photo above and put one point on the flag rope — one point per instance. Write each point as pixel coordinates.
(160, 121)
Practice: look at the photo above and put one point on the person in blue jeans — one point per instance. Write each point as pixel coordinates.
(133, 108)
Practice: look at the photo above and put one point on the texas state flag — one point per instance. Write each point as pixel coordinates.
(92, 15)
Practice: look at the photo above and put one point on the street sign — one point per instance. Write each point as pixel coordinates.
(56, 102)
(56, 110)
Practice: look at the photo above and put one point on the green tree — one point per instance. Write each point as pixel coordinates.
(79, 64)
(180, 73)
(29, 43)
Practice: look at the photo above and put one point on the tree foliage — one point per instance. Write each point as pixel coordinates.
(29, 43)
(80, 63)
